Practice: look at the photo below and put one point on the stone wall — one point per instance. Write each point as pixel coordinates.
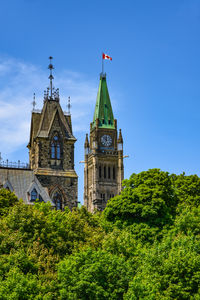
(65, 185)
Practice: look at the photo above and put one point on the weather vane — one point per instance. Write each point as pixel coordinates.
(50, 67)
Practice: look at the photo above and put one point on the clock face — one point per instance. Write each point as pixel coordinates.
(106, 140)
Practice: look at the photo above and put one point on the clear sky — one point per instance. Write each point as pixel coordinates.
(153, 80)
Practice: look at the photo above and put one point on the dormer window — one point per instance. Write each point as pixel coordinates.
(34, 195)
(55, 148)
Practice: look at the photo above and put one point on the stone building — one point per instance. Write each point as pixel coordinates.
(51, 175)
(104, 170)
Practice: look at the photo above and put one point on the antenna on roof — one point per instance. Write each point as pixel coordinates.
(33, 103)
(50, 67)
(69, 105)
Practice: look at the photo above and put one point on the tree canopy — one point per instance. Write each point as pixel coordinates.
(144, 245)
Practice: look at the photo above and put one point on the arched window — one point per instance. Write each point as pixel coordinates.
(55, 147)
(103, 197)
(57, 199)
(34, 195)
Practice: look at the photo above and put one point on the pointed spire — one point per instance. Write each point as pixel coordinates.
(120, 142)
(50, 67)
(103, 114)
(86, 145)
(120, 139)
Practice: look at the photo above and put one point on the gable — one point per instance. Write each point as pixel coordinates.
(53, 117)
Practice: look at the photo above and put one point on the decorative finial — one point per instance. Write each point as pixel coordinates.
(33, 103)
(69, 105)
(50, 67)
(45, 94)
(56, 94)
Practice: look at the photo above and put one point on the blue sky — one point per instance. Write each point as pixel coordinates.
(153, 80)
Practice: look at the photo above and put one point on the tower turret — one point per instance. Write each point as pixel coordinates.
(86, 145)
(103, 171)
(51, 149)
(120, 141)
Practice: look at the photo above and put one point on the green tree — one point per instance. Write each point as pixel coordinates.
(34, 238)
(187, 189)
(17, 286)
(147, 202)
(168, 270)
(92, 275)
(7, 200)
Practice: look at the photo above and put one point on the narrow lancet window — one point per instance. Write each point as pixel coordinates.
(105, 172)
(58, 201)
(99, 171)
(108, 172)
(113, 172)
(55, 148)
(58, 151)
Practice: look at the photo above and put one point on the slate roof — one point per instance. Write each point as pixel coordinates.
(22, 181)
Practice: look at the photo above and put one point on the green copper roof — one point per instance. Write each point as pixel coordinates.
(103, 108)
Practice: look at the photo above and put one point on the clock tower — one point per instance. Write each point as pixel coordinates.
(104, 170)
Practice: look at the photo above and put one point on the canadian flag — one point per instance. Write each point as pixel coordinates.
(105, 56)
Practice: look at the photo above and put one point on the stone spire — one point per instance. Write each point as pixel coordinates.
(86, 145)
(120, 139)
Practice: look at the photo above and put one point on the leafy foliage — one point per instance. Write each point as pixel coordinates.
(7, 200)
(187, 189)
(169, 270)
(145, 245)
(147, 197)
(93, 275)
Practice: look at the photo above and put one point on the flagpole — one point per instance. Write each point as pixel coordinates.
(102, 64)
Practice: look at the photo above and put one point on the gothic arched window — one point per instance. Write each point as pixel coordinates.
(55, 147)
(34, 195)
(57, 199)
